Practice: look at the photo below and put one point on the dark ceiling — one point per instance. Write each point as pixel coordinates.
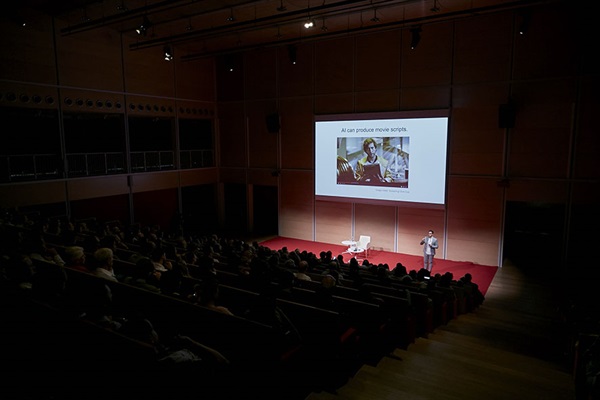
(199, 28)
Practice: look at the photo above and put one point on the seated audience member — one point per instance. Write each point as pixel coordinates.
(192, 364)
(208, 296)
(324, 293)
(159, 259)
(103, 264)
(171, 281)
(301, 274)
(144, 276)
(75, 258)
(265, 310)
(473, 289)
(37, 249)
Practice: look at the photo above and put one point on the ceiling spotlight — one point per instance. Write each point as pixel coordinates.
(121, 6)
(324, 27)
(143, 28)
(415, 37)
(309, 24)
(168, 53)
(281, 7)
(189, 26)
(435, 8)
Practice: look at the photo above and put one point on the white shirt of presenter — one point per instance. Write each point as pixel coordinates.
(428, 249)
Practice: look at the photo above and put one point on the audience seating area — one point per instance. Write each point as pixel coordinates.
(65, 338)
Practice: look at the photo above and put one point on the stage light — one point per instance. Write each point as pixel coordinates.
(415, 37)
(168, 53)
(143, 28)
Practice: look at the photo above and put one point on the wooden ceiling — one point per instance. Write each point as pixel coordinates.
(200, 28)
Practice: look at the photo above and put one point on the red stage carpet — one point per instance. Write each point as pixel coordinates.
(482, 274)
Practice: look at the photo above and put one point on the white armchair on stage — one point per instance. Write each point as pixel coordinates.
(364, 243)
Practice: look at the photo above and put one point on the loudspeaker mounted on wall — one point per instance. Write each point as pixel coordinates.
(273, 123)
(506, 115)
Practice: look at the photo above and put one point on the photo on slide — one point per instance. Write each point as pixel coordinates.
(373, 161)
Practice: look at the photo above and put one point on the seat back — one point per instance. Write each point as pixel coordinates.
(364, 242)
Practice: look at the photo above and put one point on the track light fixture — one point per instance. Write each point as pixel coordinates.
(168, 53)
(525, 21)
(231, 18)
(415, 37)
(143, 28)
(309, 24)
(375, 18)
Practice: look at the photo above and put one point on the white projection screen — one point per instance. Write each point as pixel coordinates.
(382, 158)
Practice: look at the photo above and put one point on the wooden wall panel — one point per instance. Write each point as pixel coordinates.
(99, 186)
(233, 175)
(260, 68)
(146, 72)
(424, 98)
(474, 220)
(297, 133)
(413, 223)
(539, 143)
(333, 104)
(477, 142)
(154, 181)
(32, 51)
(296, 209)
(378, 61)
(537, 191)
(430, 63)
(32, 193)
(377, 101)
(230, 77)
(296, 79)
(146, 205)
(482, 50)
(232, 135)
(195, 79)
(549, 47)
(334, 66)
(103, 49)
(377, 222)
(263, 177)
(262, 144)
(333, 221)
(198, 176)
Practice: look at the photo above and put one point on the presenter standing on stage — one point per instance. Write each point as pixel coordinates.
(429, 243)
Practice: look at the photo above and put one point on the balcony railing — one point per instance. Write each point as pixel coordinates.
(31, 167)
(93, 164)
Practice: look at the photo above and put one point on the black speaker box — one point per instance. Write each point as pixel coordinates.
(506, 116)
(273, 123)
